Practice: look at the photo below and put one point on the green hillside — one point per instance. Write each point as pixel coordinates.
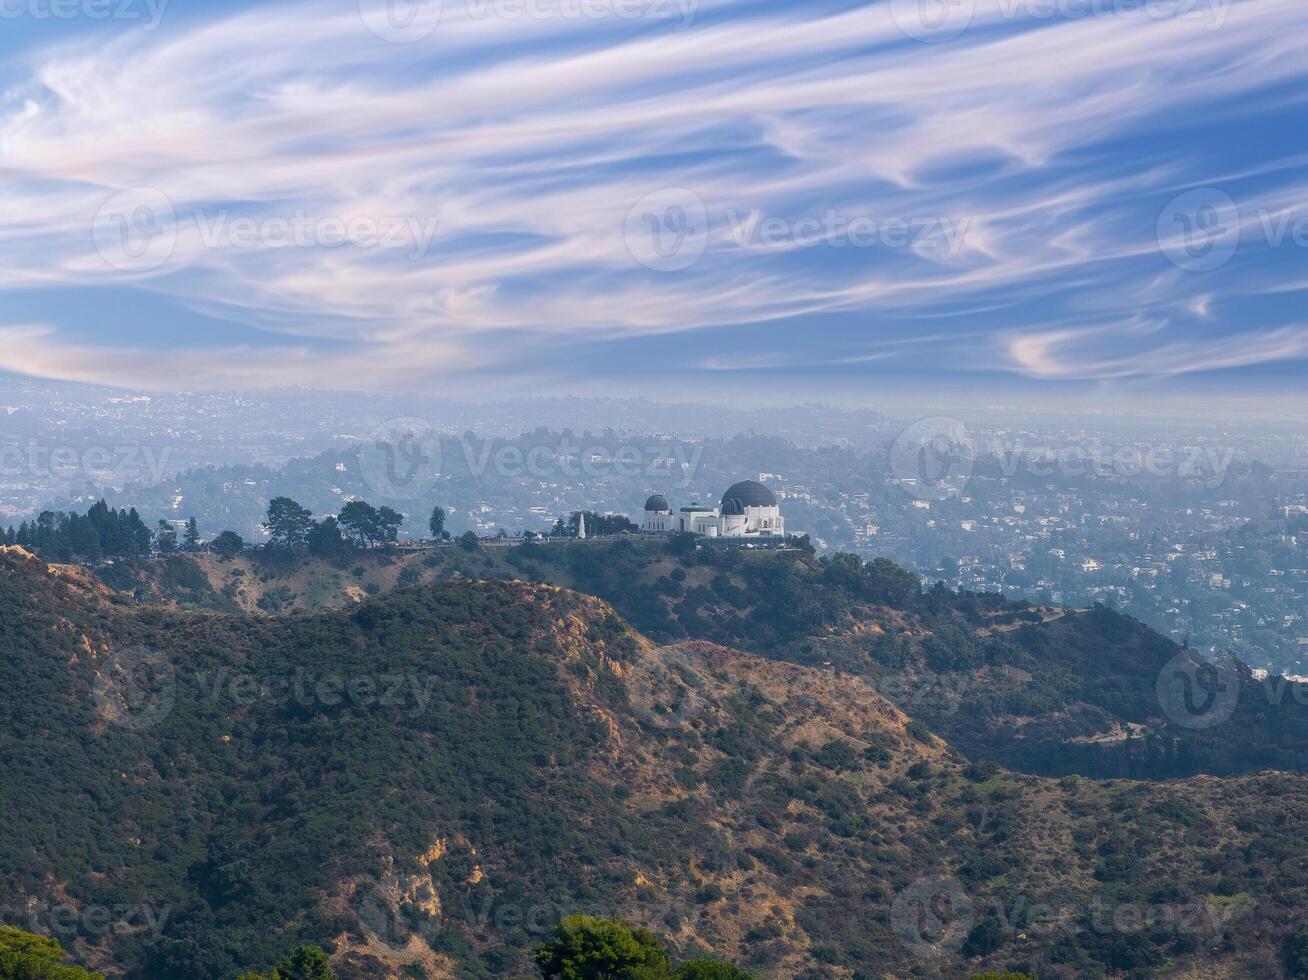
(1039, 689)
(462, 764)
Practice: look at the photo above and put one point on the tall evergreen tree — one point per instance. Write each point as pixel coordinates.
(288, 523)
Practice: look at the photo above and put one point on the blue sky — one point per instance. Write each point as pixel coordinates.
(1007, 195)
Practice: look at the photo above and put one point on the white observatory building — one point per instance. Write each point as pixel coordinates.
(748, 510)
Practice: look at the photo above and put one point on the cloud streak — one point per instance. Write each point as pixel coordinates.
(514, 150)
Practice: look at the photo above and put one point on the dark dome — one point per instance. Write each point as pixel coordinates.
(749, 493)
(657, 502)
(732, 507)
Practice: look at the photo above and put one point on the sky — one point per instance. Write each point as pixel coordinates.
(1102, 198)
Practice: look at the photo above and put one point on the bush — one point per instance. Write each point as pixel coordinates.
(587, 947)
(229, 544)
(920, 732)
(979, 772)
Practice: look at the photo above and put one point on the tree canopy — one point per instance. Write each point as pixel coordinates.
(301, 963)
(288, 523)
(27, 956)
(103, 532)
(586, 948)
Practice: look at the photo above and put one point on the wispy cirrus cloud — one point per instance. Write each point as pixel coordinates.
(1100, 354)
(383, 213)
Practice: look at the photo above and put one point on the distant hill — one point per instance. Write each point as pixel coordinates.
(1039, 689)
(424, 781)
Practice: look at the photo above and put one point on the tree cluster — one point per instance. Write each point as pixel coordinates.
(104, 532)
(595, 524)
(291, 527)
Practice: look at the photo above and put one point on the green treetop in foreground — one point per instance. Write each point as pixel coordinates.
(27, 956)
(301, 963)
(585, 948)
